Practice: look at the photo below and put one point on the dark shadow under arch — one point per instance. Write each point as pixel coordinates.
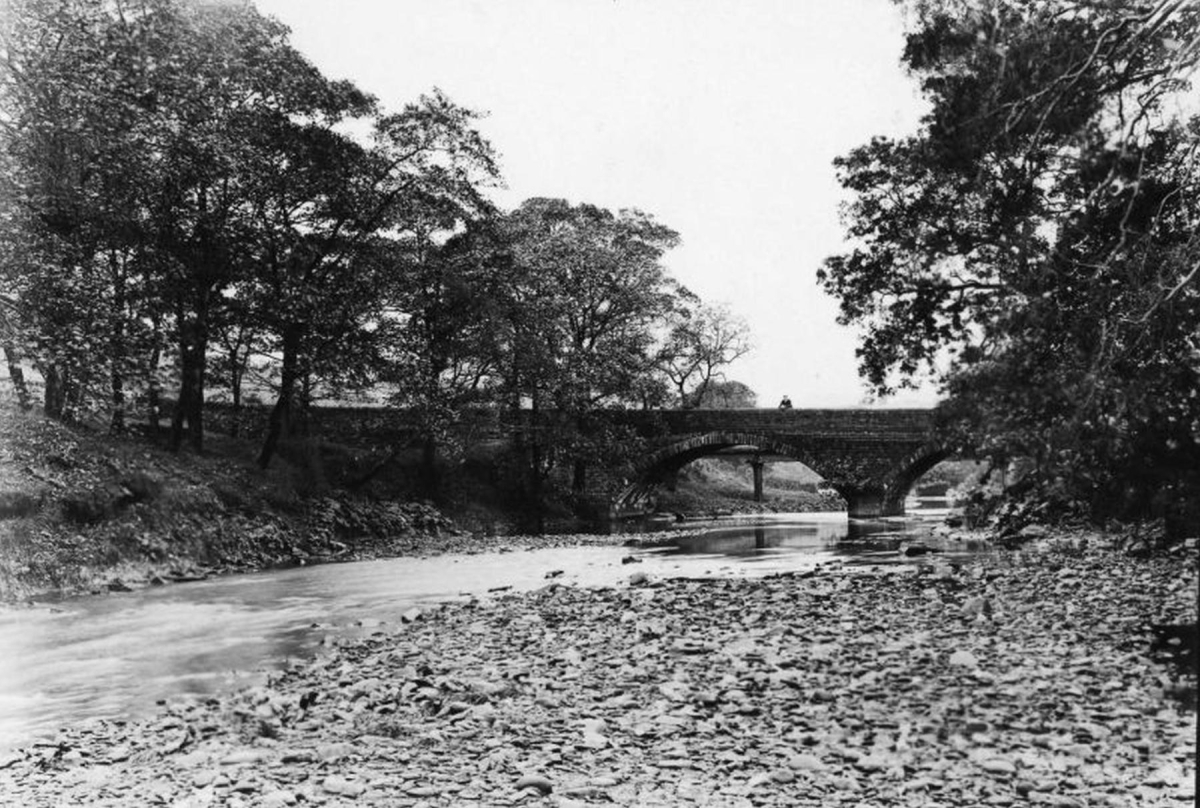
(911, 470)
(656, 467)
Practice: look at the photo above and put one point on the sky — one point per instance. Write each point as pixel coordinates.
(721, 118)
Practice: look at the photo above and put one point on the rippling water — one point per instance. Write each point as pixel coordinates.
(115, 655)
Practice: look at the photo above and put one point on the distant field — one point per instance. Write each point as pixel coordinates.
(712, 484)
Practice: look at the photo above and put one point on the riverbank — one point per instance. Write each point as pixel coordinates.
(1025, 681)
(721, 485)
(85, 512)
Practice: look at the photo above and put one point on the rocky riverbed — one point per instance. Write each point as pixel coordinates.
(1021, 682)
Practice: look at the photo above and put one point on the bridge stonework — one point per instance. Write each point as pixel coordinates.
(871, 457)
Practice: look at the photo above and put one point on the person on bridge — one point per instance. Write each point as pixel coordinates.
(786, 404)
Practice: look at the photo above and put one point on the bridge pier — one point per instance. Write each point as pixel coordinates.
(870, 457)
(756, 465)
(871, 503)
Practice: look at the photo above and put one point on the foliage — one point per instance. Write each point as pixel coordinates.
(728, 395)
(588, 290)
(184, 196)
(1036, 245)
(447, 354)
(703, 340)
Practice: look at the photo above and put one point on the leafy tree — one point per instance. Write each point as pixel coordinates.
(72, 141)
(349, 223)
(704, 340)
(595, 285)
(447, 355)
(243, 115)
(179, 172)
(728, 395)
(586, 295)
(139, 133)
(1035, 244)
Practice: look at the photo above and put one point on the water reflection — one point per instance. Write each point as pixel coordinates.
(792, 541)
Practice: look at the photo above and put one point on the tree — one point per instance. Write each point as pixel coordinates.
(339, 240)
(447, 355)
(728, 395)
(704, 340)
(143, 135)
(244, 116)
(595, 285)
(181, 171)
(73, 142)
(1035, 244)
(587, 292)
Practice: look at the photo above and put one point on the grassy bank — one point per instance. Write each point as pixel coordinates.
(726, 485)
(82, 511)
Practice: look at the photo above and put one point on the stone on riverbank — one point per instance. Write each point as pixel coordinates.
(850, 687)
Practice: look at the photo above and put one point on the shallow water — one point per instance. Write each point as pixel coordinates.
(115, 655)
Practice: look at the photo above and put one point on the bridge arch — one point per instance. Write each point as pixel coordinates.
(908, 472)
(656, 467)
(877, 496)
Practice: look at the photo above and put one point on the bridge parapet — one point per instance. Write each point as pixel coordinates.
(824, 422)
(871, 456)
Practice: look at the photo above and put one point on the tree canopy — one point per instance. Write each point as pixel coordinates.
(189, 206)
(1035, 246)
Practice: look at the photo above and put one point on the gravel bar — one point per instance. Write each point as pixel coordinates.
(1023, 682)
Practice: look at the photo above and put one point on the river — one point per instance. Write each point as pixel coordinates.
(114, 656)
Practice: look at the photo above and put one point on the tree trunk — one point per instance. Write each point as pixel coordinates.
(300, 423)
(579, 466)
(54, 398)
(116, 423)
(116, 348)
(281, 413)
(153, 394)
(153, 391)
(684, 401)
(17, 375)
(237, 371)
(73, 392)
(62, 396)
(535, 457)
(430, 484)
(235, 422)
(193, 347)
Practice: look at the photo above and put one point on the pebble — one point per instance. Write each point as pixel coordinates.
(327, 753)
(278, 799)
(243, 756)
(335, 784)
(870, 763)
(788, 691)
(807, 763)
(535, 781)
(998, 766)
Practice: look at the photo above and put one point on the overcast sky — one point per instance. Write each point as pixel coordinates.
(719, 117)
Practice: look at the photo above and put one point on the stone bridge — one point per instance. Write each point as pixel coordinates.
(870, 457)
